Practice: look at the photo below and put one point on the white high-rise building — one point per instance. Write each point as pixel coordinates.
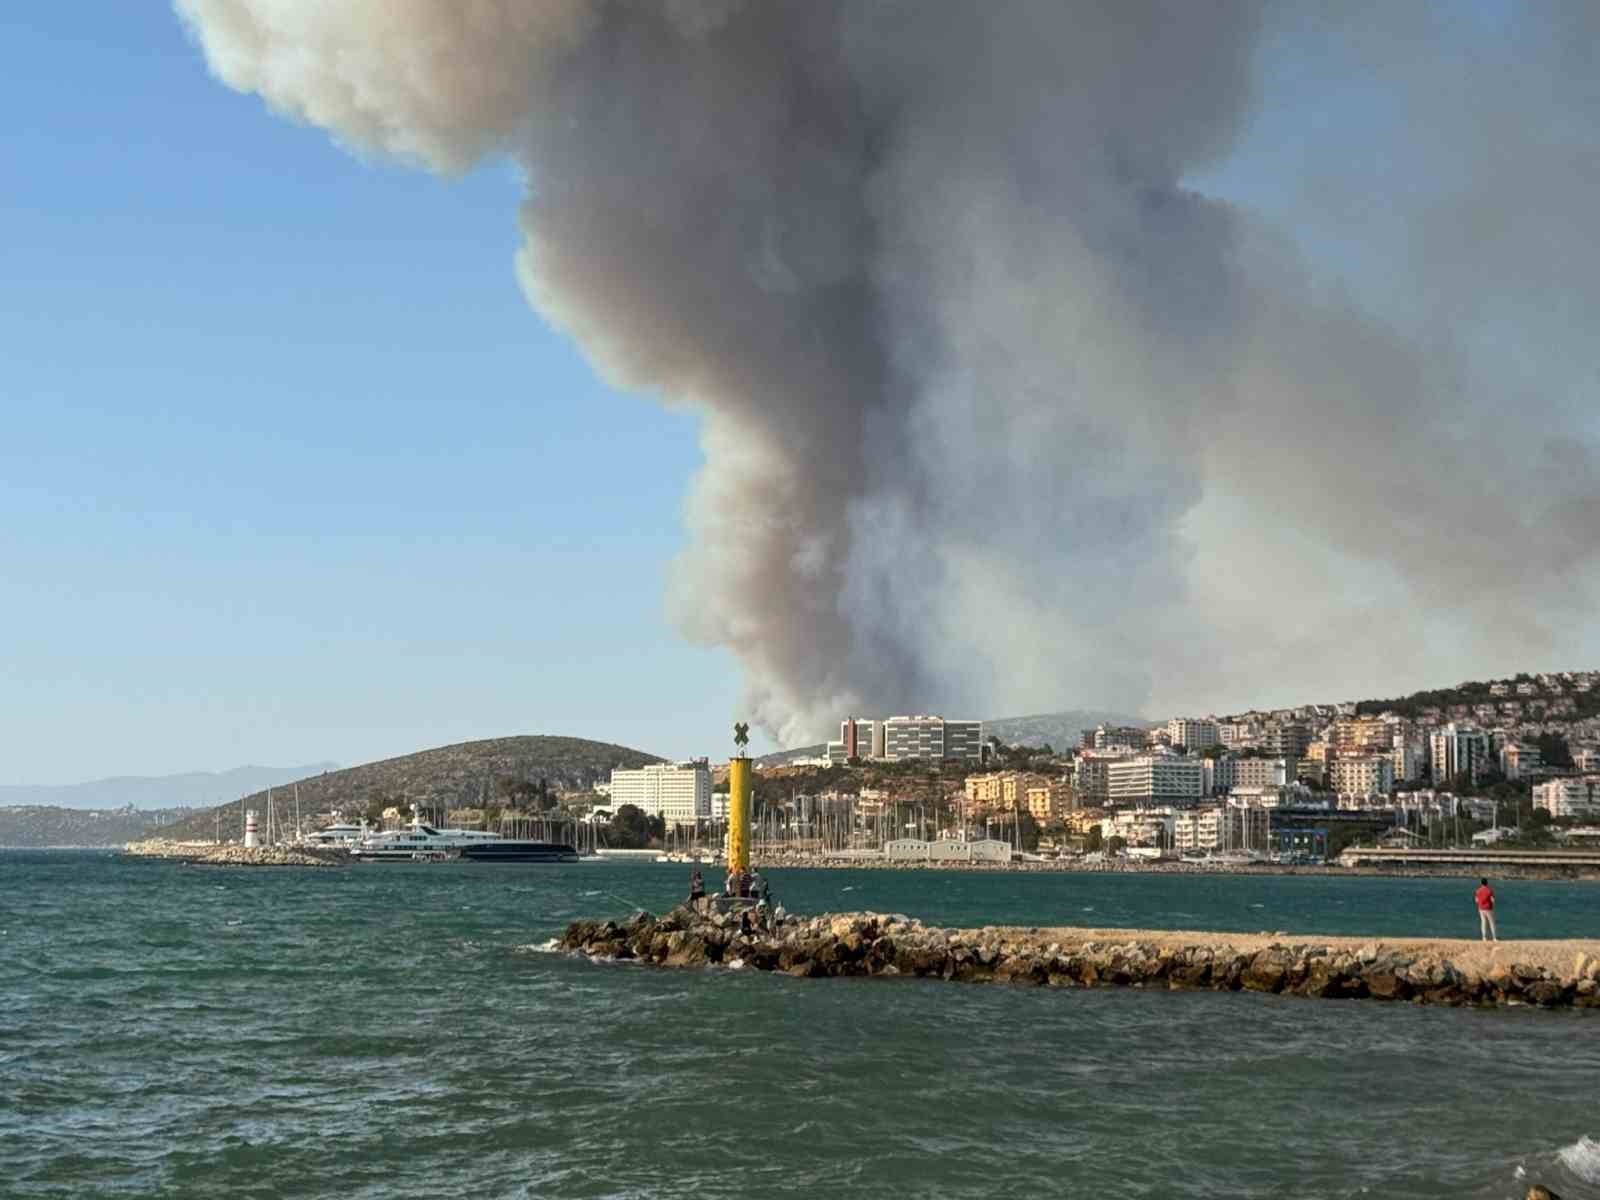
(678, 793)
(1154, 779)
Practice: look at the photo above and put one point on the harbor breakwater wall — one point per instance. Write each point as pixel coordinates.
(866, 944)
(230, 855)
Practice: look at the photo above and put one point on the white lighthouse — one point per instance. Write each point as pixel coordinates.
(250, 830)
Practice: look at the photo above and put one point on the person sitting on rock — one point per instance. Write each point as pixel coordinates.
(758, 885)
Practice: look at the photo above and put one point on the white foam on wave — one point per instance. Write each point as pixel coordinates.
(735, 964)
(552, 946)
(1582, 1158)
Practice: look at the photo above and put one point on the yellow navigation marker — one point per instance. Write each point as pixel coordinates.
(739, 803)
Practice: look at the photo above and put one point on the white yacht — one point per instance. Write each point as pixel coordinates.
(421, 842)
(341, 835)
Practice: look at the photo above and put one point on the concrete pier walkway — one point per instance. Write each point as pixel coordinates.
(1546, 974)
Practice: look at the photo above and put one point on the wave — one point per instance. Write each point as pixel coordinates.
(1582, 1158)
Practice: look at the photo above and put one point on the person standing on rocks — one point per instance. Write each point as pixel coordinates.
(1485, 900)
(697, 888)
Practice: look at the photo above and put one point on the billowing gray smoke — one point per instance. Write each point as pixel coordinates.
(999, 411)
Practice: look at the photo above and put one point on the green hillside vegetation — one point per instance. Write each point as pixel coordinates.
(526, 773)
(1477, 692)
(36, 825)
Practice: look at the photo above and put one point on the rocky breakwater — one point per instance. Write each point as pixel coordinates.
(227, 855)
(1563, 974)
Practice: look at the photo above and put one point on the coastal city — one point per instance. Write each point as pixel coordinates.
(1511, 763)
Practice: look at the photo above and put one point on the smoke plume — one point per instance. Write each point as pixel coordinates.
(1001, 409)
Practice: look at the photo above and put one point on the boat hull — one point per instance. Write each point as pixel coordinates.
(519, 852)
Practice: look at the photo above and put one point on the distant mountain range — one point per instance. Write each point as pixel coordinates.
(1058, 730)
(194, 789)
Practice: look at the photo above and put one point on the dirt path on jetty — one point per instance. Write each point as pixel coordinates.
(1558, 955)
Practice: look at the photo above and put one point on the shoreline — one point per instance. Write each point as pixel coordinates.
(1452, 972)
(1557, 874)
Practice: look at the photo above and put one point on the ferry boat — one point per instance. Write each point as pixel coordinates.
(421, 842)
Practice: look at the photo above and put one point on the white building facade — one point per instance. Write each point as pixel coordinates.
(1154, 779)
(1577, 796)
(678, 793)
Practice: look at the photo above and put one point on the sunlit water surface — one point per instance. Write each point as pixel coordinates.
(396, 1031)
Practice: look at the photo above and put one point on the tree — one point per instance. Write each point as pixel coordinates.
(631, 828)
(1094, 840)
(1116, 844)
(1027, 831)
(1554, 750)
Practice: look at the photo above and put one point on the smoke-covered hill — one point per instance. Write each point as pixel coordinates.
(447, 776)
(189, 790)
(1059, 730)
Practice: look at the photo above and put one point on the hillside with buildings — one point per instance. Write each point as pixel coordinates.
(524, 772)
(31, 826)
(1514, 760)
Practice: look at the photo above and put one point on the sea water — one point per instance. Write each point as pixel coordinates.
(402, 1031)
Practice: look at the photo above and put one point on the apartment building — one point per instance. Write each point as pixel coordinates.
(1140, 826)
(1286, 739)
(1362, 775)
(1574, 796)
(1192, 734)
(1517, 760)
(983, 789)
(1091, 774)
(1361, 736)
(1457, 749)
(1115, 737)
(1048, 801)
(1221, 828)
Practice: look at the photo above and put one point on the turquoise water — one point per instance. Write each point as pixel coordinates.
(397, 1032)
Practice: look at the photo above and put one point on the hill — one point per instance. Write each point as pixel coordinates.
(444, 777)
(1059, 730)
(189, 790)
(35, 825)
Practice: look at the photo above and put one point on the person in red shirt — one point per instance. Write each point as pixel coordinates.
(1485, 898)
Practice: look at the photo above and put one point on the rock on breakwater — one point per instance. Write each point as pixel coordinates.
(213, 854)
(1555, 974)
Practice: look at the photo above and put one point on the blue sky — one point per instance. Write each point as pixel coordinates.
(290, 470)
